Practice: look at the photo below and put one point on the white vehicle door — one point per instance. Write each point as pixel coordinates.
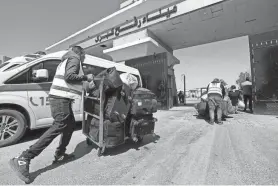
(38, 96)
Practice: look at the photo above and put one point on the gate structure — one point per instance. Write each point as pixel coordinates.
(264, 69)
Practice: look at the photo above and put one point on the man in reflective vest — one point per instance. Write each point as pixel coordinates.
(216, 92)
(66, 87)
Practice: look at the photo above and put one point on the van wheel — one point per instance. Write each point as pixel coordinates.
(13, 125)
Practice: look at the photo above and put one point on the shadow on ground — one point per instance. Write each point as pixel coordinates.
(35, 134)
(132, 145)
(247, 111)
(206, 118)
(80, 150)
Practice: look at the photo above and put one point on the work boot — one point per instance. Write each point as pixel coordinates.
(21, 167)
(211, 122)
(219, 122)
(62, 157)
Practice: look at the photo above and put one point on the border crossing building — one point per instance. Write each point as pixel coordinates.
(144, 33)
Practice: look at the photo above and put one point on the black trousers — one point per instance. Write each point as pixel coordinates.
(248, 99)
(181, 99)
(64, 124)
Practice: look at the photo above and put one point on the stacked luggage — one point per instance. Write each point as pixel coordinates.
(127, 111)
(141, 120)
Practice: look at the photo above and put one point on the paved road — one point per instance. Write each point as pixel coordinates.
(185, 150)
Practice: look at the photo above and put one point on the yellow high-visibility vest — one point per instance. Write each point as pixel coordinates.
(63, 89)
(215, 88)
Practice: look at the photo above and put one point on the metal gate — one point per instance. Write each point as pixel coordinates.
(264, 65)
(154, 72)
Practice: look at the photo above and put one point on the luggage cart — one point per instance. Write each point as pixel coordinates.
(98, 113)
(97, 100)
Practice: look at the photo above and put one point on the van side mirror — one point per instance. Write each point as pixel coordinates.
(40, 75)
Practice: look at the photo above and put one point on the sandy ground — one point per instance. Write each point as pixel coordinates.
(185, 150)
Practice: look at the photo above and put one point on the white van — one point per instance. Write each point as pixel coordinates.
(16, 61)
(24, 102)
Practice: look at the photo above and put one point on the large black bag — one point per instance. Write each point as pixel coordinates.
(112, 79)
(140, 126)
(117, 104)
(143, 102)
(91, 106)
(113, 133)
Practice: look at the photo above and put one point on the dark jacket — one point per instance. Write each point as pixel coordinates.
(72, 68)
(234, 97)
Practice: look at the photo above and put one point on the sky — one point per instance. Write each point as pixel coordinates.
(28, 26)
(223, 59)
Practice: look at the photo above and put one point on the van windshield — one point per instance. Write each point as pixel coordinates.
(29, 58)
(23, 64)
(12, 67)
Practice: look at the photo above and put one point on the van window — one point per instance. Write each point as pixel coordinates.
(50, 65)
(91, 69)
(20, 78)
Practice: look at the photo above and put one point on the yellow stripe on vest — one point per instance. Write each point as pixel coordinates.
(66, 89)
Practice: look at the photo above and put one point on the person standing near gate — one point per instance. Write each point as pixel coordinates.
(181, 97)
(66, 87)
(247, 94)
(234, 96)
(216, 92)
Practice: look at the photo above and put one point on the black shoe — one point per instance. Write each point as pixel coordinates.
(21, 168)
(211, 122)
(62, 157)
(220, 122)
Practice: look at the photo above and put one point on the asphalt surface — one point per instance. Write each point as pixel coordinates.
(185, 150)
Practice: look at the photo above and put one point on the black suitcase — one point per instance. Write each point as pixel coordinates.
(113, 132)
(144, 102)
(117, 104)
(91, 106)
(141, 126)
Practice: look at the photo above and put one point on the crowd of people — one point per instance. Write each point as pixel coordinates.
(221, 99)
